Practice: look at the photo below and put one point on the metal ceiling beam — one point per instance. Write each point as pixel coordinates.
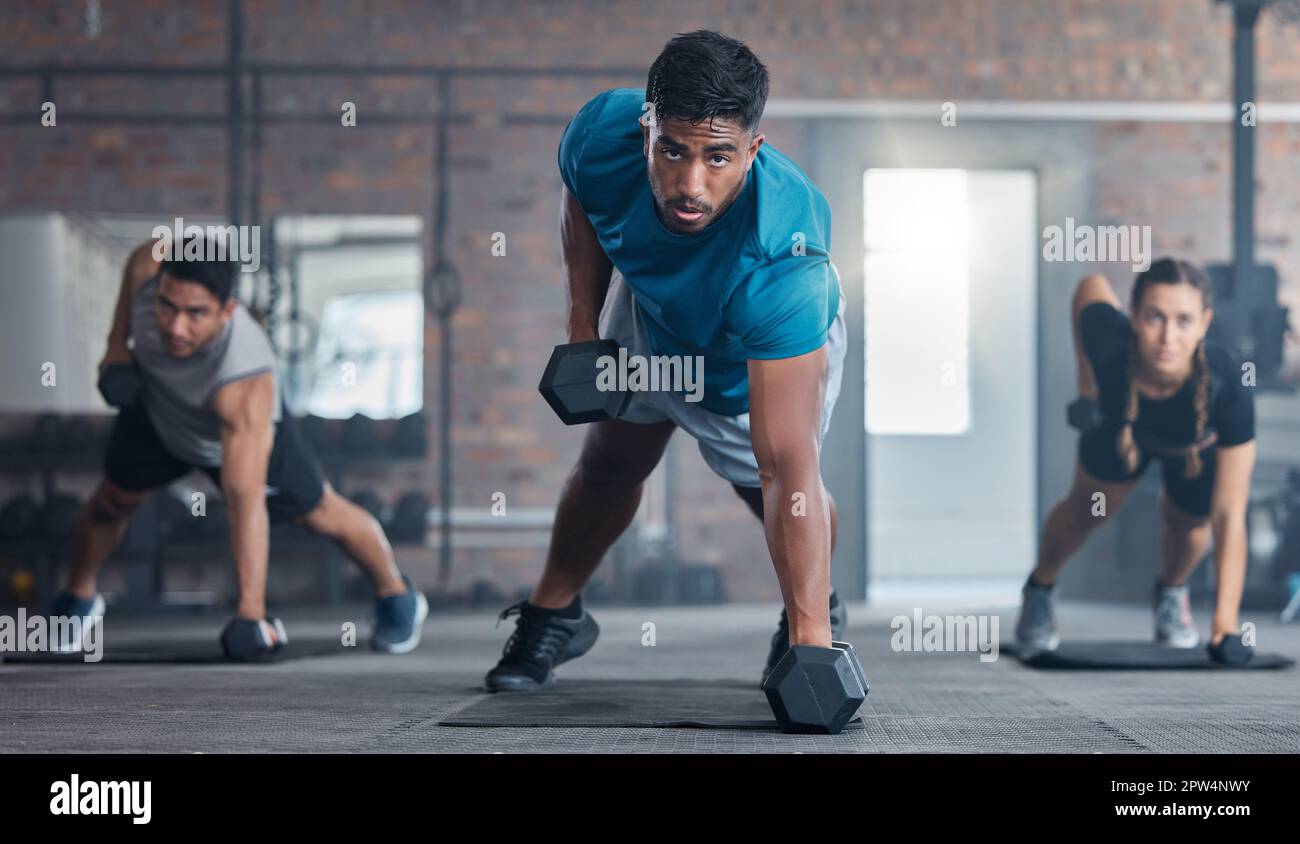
(315, 69)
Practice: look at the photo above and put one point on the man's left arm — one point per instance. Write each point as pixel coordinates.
(1228, 503)
(245, 408)
(785, 405)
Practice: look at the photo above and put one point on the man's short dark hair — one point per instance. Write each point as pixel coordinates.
(704, 75)
(216, 276)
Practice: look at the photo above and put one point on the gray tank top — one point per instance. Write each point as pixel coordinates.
(177, 392)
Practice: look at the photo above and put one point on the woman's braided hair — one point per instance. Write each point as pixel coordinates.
(1166, 271)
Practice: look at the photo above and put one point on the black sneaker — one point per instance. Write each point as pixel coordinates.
(541, 641)
(781, 638)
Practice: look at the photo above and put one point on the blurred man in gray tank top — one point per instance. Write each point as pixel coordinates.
(209, 400)
(181, 376)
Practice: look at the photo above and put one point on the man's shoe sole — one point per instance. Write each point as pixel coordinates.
(519, 683)
(1050, 645)
(1184, 644)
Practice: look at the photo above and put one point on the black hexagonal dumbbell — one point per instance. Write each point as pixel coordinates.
(855, 665)
(1231, 650)
(1084, 414)
(816, 690)
(248, 640)
(570, 386)
(119, 384)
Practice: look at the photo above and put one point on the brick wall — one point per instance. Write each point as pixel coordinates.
(504, 176)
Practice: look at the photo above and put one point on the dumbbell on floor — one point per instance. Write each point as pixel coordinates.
(1231, 650)
(570, 386)
(816, 690)
(247, 639)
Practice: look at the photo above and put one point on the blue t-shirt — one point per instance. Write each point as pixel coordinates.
(740, 289)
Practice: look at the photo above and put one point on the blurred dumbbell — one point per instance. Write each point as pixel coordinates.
(248, 640)
(654, 584)
(119, 384)
(1084, 415)
(485, 593)
(699, 584)
(410, 519)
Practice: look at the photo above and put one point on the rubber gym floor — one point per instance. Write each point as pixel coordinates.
(357, 701)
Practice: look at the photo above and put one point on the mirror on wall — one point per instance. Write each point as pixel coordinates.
(339, 296)
(343, 307)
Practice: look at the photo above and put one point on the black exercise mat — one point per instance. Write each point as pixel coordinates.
(1135, 656)
(180, 652)
(717, 704)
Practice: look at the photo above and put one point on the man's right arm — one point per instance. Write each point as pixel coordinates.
(140, 267)
(586, 270)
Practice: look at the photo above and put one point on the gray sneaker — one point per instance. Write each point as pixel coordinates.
(1036, 627)
(1172, 606)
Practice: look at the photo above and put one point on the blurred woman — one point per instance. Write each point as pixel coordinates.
(1162, 392)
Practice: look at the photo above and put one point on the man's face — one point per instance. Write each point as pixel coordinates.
(1171, 322)
(188, 314)
(696, 170)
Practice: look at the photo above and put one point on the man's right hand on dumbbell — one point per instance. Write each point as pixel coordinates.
(119, 382)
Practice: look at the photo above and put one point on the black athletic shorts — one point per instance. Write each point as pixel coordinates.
(136, 460)
(1099, 458)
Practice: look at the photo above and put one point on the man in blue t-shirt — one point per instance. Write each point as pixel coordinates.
(686, 238)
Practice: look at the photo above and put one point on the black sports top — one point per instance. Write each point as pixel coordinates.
(1172, 421)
